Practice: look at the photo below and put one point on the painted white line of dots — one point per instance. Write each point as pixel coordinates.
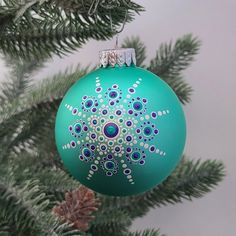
(124, 166)
(164, 112)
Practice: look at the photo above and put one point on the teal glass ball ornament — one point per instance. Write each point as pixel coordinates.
(120, 130)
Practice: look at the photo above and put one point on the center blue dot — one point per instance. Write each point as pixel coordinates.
(111, 130)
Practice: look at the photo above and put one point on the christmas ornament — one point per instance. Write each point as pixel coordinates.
(120, 130)
(77, 208)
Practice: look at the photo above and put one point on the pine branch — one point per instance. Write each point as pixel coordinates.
(27, 120)
(140, 49)
(147, 232)
(171, 59)
(181, 88)
(189, 180)
(44, 29)
(23, 208)
(114, 222)
(4, 227)
(20, 206)
(18, 79)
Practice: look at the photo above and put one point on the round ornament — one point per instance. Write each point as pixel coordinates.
(120, 130)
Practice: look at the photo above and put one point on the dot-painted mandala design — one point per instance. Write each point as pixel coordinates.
(114, 130)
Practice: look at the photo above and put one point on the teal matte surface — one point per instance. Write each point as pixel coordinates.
(120, 131)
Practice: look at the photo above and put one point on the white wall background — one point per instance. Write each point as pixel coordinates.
(210, 116)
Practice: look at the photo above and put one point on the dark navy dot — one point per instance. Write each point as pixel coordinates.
(117, 149)
(109, 173)
(131, 90)
(104, 112)
(118, 112)
(94, 167)
(127, 171)
(154, 114)
(128, 138)
(129, 123)
(152, 148)
(130, 112)
(75, 111)
(142, 162)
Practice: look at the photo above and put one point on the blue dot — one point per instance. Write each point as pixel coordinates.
(128, 138)
(129, 123)
(109, 165)
(147, 131)
(135, 156)
(87, 152)
(111, 130)
(104, 112)
(138, 106)
(88, 103)
(113, 94)
(77, 128)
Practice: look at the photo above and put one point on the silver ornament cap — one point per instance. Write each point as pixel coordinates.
(120, 57)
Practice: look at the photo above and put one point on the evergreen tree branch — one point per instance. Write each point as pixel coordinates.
(114, 223)
(4, 227)
(28, 119)
(181, 89)
(44, 29)
(18, 80)
(140, 49)
(191, 179)
(171, 59)
(23, 207)
(147, 232)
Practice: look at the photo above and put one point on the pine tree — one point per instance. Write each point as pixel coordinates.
(37, 195)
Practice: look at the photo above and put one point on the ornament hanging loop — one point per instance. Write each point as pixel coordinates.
(117, 32)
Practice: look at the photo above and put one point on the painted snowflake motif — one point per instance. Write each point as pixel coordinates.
(114, 130)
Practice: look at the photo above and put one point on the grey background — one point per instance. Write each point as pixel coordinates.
(210, 116)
